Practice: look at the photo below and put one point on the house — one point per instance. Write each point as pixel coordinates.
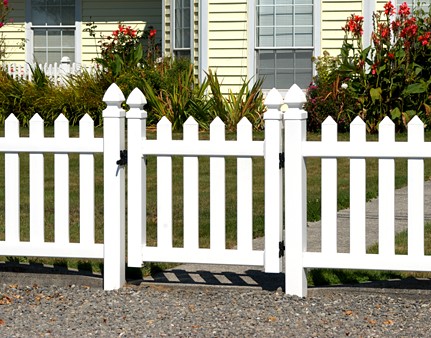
(274, 39)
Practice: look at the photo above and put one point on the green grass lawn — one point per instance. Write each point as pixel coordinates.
(313, 167)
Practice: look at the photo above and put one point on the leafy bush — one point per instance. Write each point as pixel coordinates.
(4, 14)
(390, 77)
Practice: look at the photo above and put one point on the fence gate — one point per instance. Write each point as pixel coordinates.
(192, 150)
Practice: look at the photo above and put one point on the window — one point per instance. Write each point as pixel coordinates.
(182, 28)
(53, 29)
(284, 42)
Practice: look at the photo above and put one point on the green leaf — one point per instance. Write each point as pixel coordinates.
(395, 113)
(376, 94)
(416, 88)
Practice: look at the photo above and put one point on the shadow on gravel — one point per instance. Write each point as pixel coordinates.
(250, 278)
(39, 274)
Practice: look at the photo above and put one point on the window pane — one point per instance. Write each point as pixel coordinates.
(304, 15)
(54, 39)
(303, 59)
(284, 16)
(53, 56)
(284, 37)
(285, 59)
(68, 39)
(266, 37)
(53, 15)
(268, 79)
(303, 78)
(267, 60)
(39, 38)
(285, 79)
(266, 16)
(303, 37)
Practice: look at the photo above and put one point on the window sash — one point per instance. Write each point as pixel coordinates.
(182, 24)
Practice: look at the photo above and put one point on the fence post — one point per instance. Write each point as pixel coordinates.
(295, 192)
(64, 69)
(114, 190)
(273, 182)
(136, 173)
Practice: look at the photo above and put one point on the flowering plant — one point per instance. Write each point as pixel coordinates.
(392, 75)
(4, 13)
(127, 47)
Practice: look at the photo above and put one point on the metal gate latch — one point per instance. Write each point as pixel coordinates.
(123, 158)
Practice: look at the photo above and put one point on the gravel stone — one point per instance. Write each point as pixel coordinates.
(176, 311)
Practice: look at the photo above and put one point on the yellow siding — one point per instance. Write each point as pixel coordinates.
(333, 17)
(228, 42)
(14, 33)
(107, 15)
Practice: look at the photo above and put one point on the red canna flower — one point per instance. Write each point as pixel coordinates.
(404, 9)
(152, 33)
(424, 39)
(391, 56)
(5, 3)
(389, 8)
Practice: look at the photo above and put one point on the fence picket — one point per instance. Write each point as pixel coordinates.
(36, 175)
(415, 169)
(245, 190)
(191, 187)
(86, 184)
(217, 190)
(164, 188)
(387, 191)
(357, 190)
(12, 186)
(61, 183)
(329, 189)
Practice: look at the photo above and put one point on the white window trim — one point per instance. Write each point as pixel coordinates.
(317, 18)
(29, 33)
(174, 49)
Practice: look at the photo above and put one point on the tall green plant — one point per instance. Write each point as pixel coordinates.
(231, 108)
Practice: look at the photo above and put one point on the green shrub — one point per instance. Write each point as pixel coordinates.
(390, 77)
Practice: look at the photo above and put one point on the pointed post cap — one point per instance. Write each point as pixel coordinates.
(113, 96)
(274, 99)
(136, 99)
(295, 97)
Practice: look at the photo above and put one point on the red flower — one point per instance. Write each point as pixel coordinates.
(391, 56)
(5, 3)
(152, 33)
(424, 39)
(389, 8)
(1, 24)
(374, 69)
(354, 25)
(404, 9)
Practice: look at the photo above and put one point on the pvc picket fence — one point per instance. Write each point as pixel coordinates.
(61, 145)
(191, 149)
(284, 132)
(56, 72)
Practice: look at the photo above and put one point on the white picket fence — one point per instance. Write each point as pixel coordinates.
(56, 72)
(61, 145)
(297, 149)
(283, 132)
(191, 149)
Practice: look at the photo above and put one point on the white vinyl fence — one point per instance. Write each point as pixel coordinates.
(284, 133)
(56, 72)
(61, 145)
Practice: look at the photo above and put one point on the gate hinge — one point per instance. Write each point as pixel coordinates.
(281, 249)
(281, 160)
(123, 158)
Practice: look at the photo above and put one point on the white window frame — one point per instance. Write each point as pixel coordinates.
(29, 57)
(175, 49)
(252, 50)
